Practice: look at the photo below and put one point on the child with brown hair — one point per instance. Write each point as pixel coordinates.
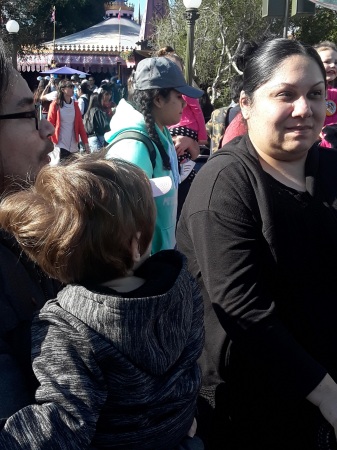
(116, 352)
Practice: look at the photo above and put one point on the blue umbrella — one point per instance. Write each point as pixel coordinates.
(64, 71)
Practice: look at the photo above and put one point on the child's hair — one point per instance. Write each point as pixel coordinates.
(78, 220)
(325, 45)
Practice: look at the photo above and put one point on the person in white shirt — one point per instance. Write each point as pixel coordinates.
(66, 117)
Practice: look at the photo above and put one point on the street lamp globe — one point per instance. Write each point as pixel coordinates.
(192, 4)
(12, 26)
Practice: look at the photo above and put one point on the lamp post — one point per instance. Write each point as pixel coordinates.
(13, 27)
(286, 19)
(191, 16)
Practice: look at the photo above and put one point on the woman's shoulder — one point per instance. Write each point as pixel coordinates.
(53, 104)
(239, 149)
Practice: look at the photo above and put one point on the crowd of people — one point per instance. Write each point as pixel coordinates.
(125, 328)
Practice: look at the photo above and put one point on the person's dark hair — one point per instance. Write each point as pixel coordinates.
(260, 62)
(79, 219)
(206, 105)
(131, 85)
(143, 101)
(84, 86)
(165, 50)
(60, 95)
(75, 78)
(41, 87)
(236, 86)
(105, 87)
(95, 102)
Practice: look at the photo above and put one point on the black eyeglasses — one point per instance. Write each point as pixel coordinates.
(71, 86)
(24, 115)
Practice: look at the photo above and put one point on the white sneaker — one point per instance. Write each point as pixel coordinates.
(185, 169)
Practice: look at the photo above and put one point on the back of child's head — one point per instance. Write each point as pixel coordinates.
(78, 220)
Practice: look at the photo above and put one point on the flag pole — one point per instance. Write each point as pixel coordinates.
(119, 20)
(54, 34)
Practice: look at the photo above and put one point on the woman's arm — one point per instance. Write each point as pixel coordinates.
(185, 143)
(52, 113)
(79, 127)
(325, 397)
(81, 105)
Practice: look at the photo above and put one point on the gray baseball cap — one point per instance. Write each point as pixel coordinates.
(161, 72)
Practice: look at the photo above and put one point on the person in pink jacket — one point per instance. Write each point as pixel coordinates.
(187, 135)
(66, 117)
(328, 53)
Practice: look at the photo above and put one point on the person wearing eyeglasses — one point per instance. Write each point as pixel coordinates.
(66, 117)
(92, 85)
(24, 149)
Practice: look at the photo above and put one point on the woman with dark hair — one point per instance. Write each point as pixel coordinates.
(156, 103)
(38, 93)
(96, 122)
(84, 94)
(108, 104)
(66, 117)
(267, 265)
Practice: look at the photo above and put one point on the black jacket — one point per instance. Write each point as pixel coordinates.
(23, 290)
(228, 233)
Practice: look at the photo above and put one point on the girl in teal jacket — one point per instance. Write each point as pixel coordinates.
(157, 102)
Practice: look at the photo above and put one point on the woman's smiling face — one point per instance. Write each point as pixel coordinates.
(286, 114)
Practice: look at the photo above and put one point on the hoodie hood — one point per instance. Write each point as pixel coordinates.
(125, 117)
(150, 332)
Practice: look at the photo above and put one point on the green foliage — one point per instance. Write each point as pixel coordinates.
(34, 18)
(313, 29)
(222, 28)
(220, 31)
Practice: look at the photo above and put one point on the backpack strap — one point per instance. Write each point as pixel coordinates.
(227, 117)
(137, 135)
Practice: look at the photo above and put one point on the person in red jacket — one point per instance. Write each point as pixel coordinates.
(66, 117)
